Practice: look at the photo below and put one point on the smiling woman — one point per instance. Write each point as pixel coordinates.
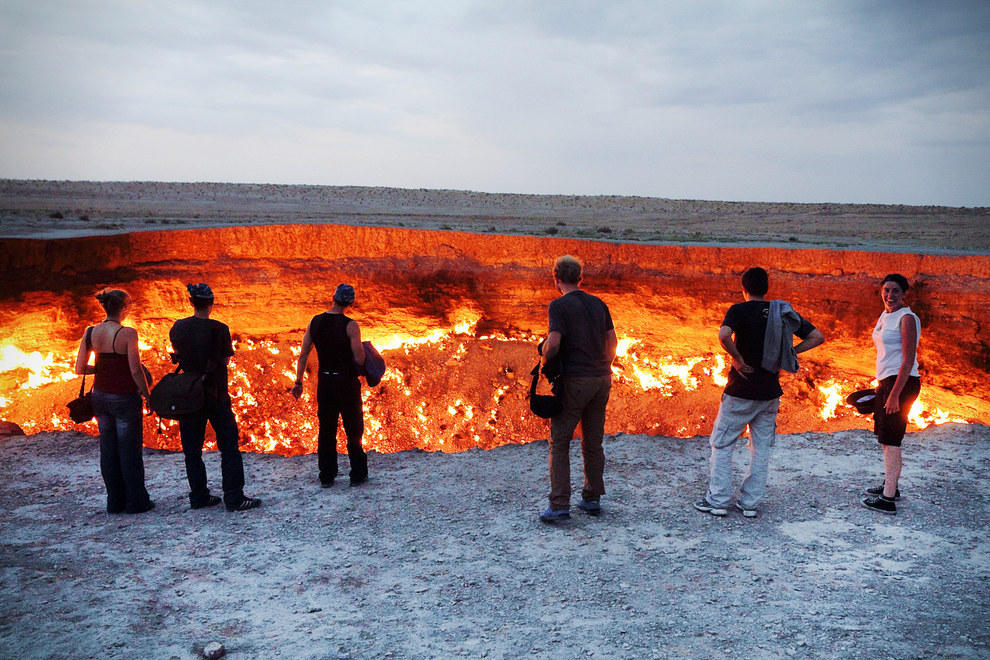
(457, 317)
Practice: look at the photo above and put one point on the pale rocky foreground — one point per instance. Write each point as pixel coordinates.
(441, 555)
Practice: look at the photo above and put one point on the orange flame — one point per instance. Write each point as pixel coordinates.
(446, 390)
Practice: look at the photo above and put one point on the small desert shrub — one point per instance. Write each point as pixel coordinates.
(604, 230)
(552, 230)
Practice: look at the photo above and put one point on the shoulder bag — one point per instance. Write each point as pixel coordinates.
(81, 408)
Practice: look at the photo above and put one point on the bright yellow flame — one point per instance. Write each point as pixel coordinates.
(718, 373)
(41, 369)
(831, 391)
(921, 417)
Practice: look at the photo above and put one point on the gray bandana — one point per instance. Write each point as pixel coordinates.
(344, 294)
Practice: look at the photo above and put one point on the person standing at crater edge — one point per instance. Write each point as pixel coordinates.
(582, 335)
(119, 384)
(203, 346)
(763, 344)
(896, 338)
(337, 339)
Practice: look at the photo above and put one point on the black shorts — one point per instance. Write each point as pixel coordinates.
(890, 428)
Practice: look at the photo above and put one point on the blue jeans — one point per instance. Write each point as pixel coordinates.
(192, 431)
(734, 415)
(121, 441)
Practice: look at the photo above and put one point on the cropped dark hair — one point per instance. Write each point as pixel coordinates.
(113, 300)
(756, 281)
(200, 303)
(567, 269)
(897, 279)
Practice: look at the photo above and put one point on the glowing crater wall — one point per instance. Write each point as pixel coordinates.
(458, 316)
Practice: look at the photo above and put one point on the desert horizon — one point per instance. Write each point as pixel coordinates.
(88, 207)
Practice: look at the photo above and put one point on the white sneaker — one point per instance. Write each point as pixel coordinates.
(703, 505)
(747, 513)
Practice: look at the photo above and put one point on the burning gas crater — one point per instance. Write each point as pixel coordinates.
(457, 318)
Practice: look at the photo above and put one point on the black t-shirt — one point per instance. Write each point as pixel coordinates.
(582, 321)
(198, 341)
(748, 321)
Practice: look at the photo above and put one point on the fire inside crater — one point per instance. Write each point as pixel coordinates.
(457, 318)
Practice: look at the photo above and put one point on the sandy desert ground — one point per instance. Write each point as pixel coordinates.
(441, 555)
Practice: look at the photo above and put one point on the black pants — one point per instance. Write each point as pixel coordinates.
(340, 396)
(192, 430)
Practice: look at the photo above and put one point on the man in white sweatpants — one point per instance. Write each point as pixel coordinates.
(758, 336)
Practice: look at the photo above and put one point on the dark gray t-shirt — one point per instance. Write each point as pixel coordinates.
(582, 321)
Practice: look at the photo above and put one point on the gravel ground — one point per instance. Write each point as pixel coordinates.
(442, 555)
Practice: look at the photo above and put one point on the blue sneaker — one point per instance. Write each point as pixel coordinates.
(591, 508)
(553, 515)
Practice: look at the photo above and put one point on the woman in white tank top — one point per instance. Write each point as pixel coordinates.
(896, 339)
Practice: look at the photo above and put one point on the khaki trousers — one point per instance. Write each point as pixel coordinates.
(584, 401)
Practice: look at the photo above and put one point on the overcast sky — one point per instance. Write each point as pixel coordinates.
(762, 101)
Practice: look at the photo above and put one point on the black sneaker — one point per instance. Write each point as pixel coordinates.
(212, 500)
(148, 506)
(703, 505)
(877, 491)
(245, 504)
(881, 504)
(591, 508)
(358, 481)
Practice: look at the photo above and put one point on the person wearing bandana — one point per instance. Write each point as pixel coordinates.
(337, 339)
(203, 346)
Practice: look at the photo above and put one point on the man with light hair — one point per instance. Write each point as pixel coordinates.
(762, 345)
(582, 340)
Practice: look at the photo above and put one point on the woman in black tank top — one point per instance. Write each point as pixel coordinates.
(337, 339)
(119, 384)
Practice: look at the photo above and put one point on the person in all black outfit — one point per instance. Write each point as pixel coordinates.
(337, 339)
(202, 345)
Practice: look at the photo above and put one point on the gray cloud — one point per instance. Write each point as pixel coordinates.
(755, 100)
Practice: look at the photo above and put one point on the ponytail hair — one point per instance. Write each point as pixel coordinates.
(113, 300)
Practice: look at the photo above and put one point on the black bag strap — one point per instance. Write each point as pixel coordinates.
(89, 349)
(536, 379)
